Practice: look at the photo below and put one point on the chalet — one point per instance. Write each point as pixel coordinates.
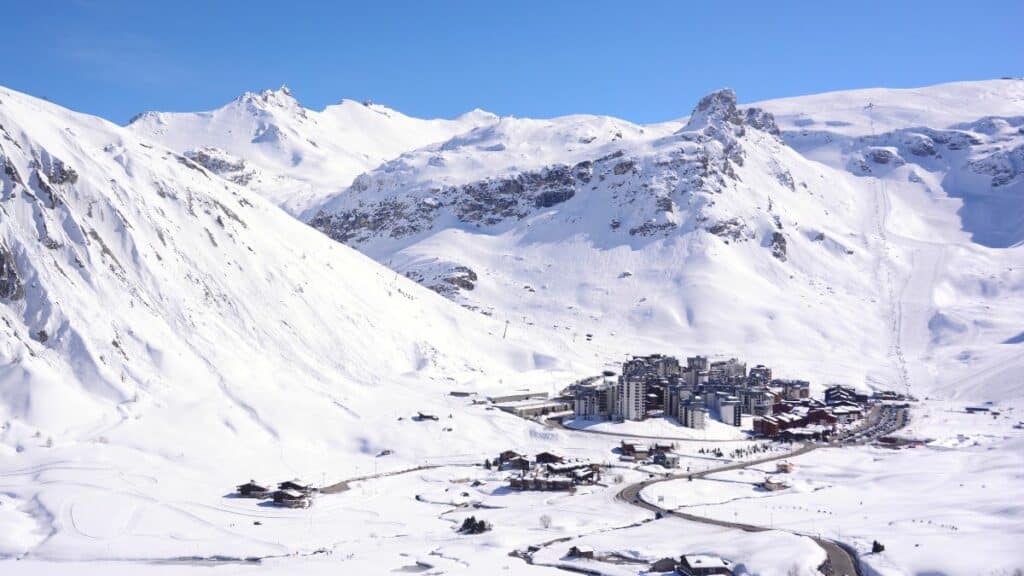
(548, 458)
(664, 565)
(767, 427)
(805, 433)
(568, 466)
(508, 455)
(539, 482)
(666, 460)
(581, 552)
(772, 484)
(295, 485)
(785, 467)
(291, 499)
(836, 394)
(517, 463)
(634, 449)
(703, 565)
(772, 426)
(253, 490)
(422, 417)
(822, 417)
(844, 413)
(585, 476)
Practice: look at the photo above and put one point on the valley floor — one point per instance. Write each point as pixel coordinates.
(925, 505)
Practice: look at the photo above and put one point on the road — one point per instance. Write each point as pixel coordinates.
(344, 484)
(841, 561)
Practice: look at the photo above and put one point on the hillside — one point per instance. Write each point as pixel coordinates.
(168, 332)
(843, 255)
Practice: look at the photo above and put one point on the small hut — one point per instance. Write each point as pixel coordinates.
(291, 499)
(297, 486)
(253, 490)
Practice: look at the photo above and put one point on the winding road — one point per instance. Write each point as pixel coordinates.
(841, 559)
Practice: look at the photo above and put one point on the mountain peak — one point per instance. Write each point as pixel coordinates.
(717, 107)
(280, 98)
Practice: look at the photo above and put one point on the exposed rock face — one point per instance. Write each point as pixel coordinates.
(11, 287)
(486, 203)
(920, 145)
(12, 172)
(778, 246)
(734, 229)
(651, 194)
(715, 109)
(1003, 166)
(884, 156)
(222, 164)
(761, 120)
(462, 277)
(446, 280)
(59, 173)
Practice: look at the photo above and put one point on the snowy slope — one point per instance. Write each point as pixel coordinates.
(735, 233)
(946, 164)
(167, 334)
(292, 155)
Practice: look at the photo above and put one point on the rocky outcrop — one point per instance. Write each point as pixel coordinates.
(734, 229)
(222, 164)
(462, 277)
(1003, 166)
(880, 155)
(446, 280)
(761, 120)
(778, 246)
(715, 109)
(650, 193)
(11, 287)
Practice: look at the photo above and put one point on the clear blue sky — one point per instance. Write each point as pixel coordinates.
(645, 61)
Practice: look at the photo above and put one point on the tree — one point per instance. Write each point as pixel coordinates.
(487, 464)
(473, 526)
(877, 547)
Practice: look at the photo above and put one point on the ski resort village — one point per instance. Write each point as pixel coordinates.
(288, 333)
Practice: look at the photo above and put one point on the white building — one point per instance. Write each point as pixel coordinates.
(632, 392)
(693, 415)
(730, 412)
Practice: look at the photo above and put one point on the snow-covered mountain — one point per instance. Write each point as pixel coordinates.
(292, 155)
(862, 237)
(158, 317)
(169, 331)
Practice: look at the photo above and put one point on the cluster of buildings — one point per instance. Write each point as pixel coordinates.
(656, 453)
(686, 565)
(692, 393)
(547, 471)
(803, 418)
(289, 494)
(695, 392)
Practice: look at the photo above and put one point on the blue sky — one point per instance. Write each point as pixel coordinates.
(644, 61)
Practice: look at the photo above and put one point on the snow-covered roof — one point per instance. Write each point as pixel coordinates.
(706, 561)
